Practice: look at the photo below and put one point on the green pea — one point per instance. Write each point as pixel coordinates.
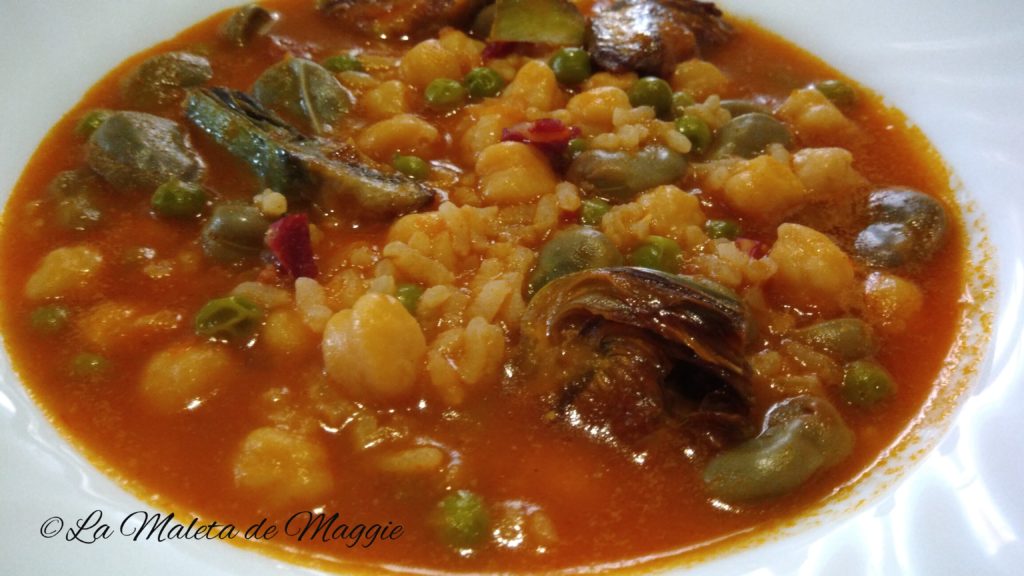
(87, 365)
(90, 121)
(177, 199)
(866, 383)
(343, 63)
(593, 210)
(729, 229)
(680, 100)
(576, 147)
(839, 92)
(463, 519)
(232, 318)
(409, 296)
(49, 319)
(445, 94)
(412, 166)
(654, 92)
(696, 130)
(483, 82)
(571, 65)
(657, 253)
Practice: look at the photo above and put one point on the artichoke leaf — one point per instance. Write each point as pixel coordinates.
(253, 135)
(701, 325)
(286, 161)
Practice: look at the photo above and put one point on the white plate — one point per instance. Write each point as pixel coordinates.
(955, 68)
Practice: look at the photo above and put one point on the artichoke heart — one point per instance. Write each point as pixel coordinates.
(623, 352)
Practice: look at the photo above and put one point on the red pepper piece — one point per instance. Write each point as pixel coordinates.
(289, 241)
(494, 50)
(551, 136)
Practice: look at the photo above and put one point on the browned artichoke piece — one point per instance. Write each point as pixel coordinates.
(402, 17)
(652, 36)
(621, 352)
(698, 322)
(297, 166)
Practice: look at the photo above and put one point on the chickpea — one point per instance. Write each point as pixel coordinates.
(404, 133)
(282, 468)
(827, 172)
(890, 302)
(375, 350)
(285, 333)
(764, 189)
(65, 271)
(429, 60)
(596, 107)
(535, 86)
(389, 99)
(812, 270)
(699, 79)
(181, 377)
(513, 173)
(814, 115)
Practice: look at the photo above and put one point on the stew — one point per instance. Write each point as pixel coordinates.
(545, 284)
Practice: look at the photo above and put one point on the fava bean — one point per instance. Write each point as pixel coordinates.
(800, 436)
(572, 250)
(234, 233)
(749, 135)
(618, 176)
(846, 338)
(840, 93)
(593, 210)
